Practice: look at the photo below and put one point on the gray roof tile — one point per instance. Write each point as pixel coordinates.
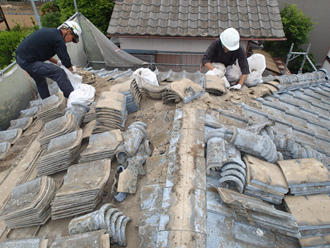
(197, 18)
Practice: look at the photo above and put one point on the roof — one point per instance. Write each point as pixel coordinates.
(197, 18)
(176, 201)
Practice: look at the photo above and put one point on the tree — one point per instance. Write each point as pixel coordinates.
(97, 11)
(296, 26)
(50, 14)
(9, 41)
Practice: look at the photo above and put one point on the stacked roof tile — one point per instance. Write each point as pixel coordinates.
(196, 18)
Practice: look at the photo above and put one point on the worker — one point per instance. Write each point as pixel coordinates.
(43, 45)
(226, 51)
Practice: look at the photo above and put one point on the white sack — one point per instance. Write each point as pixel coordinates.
(144, 76)
(257, 65)
(83, 93)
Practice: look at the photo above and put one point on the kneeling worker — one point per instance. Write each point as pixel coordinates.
(42, 45)
(226, 51)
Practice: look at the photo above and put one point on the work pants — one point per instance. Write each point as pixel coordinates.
(39, 71)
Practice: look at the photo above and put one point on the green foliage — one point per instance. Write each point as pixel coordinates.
(49, 7)
(97, 11)
(50, 14)
(296, 26)
(9, 41)
(51, 20)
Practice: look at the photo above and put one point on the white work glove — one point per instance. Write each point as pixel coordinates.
(74, 69)
(59, 62)
(218, 72)
(227, 85)
(236, 87)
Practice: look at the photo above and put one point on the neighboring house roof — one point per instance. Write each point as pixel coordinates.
(254, 19)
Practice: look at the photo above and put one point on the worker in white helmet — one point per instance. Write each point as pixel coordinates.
(43, 45)
(226, 51)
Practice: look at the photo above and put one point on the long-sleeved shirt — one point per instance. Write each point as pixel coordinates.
(42, 45)
(216, 53)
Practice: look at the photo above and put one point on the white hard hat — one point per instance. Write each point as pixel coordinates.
(230, 39)
(75, 29)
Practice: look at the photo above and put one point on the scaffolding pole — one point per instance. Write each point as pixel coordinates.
(293, 55)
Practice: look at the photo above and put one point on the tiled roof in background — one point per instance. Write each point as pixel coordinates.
(196, 18)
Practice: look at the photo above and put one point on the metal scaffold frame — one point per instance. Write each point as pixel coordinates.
(293, 55)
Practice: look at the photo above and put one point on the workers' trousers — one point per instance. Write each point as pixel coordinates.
(39, 71)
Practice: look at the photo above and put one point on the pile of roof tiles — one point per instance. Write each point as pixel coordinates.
(82, 189)
(182, 90)
(29, 203)
(110, 111)
(33, 242)
(101, 145)
(52, 107)
(22, 123)
(62, 152)
(58, 127)
(132, 93)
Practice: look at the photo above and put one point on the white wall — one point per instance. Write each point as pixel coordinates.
(170, 44)
(319, 11)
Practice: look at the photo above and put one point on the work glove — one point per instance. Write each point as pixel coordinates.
(74, 69)
(227, 85)
(218, 72)
(236, 87)
(59, 62)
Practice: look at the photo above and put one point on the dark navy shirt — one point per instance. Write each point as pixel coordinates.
(216, 53)
(42, 45)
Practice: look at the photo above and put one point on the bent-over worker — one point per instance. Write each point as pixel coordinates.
(42, 45)
(226, 51)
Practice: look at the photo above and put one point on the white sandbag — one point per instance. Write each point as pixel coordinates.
(145, 76)
(83, 93)
(257, 65)
(75, 79)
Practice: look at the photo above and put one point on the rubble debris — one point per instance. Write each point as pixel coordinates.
(97, 239)
(82, 189)
(107, 218)
(313, 218)
(306, 176)
(62, 152)
(29, 204)
(119, 196)
(264, 180)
